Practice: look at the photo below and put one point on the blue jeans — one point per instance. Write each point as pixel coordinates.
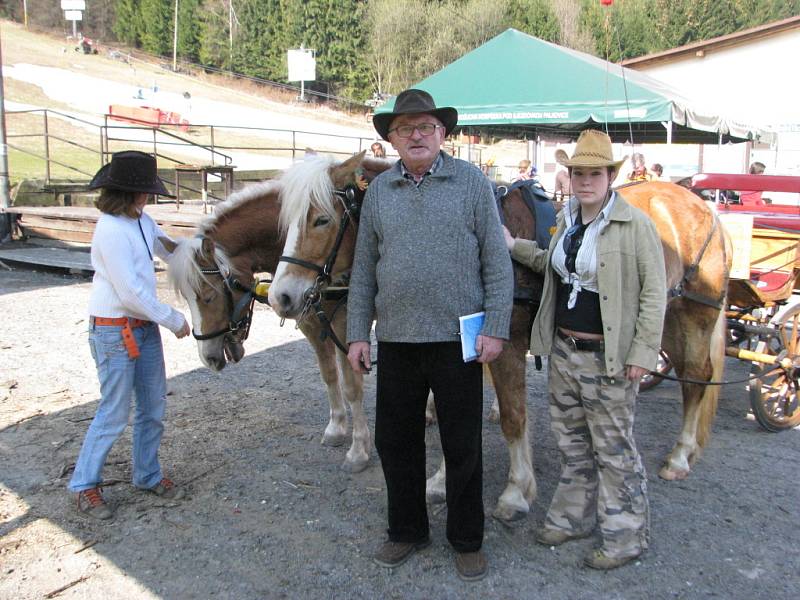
(119, 376)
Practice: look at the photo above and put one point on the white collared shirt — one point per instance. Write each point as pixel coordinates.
(585, 276)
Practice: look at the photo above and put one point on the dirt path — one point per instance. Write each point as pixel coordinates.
(270, 514)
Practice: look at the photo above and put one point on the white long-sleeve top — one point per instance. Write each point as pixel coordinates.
(124, 283)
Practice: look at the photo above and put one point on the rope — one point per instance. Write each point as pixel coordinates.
(725, 382)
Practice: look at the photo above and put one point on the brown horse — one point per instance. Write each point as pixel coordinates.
(214, 272)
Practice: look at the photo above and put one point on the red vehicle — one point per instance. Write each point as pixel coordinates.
(774, 199)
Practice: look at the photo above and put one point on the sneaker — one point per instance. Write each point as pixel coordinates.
(598, 560)
(472, 566)
(167, 489)
(91, 503)
(556, 537)
(394, 554)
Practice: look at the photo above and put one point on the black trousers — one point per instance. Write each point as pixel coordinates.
(406, 373)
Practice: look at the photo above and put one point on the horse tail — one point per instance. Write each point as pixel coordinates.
(710, 398)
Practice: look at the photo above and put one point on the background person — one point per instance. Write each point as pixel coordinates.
(600, 320)
(561, 192)
(658, 172)
(123, 332)
(639, 172)
(430, 249)
(378, 151)
(524, 171)
(753, 198)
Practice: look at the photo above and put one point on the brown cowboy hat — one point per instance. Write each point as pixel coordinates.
(592, 150)
(414, 102)
(130, 171)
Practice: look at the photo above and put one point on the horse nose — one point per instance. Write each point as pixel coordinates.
(285, 302)
(215, 363)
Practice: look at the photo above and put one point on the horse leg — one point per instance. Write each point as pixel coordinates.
(353, 390)
(435, 488)
(509, 379)
(494, 411)
(430, 411)
(336, 430)
(697, 355)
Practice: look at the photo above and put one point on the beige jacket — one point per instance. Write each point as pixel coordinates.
(631, 280)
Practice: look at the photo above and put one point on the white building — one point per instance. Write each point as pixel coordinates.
(753, 76)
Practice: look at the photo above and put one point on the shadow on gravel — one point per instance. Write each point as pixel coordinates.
(270, 513)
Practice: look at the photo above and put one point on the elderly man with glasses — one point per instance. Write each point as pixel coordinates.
(430, 249)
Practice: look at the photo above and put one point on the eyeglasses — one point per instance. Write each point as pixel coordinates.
(573, 238)
(406, 131)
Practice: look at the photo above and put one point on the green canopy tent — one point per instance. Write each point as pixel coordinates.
(516, 85)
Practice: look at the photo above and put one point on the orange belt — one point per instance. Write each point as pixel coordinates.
(127, 324)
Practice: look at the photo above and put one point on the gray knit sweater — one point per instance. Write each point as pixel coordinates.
(427, 255)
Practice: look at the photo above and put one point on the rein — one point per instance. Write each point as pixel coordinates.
(240, 313)
(351, 198)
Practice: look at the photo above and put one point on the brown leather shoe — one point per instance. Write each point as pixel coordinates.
(92, 504)
(472, 566)
(598, 560)
(167, 489)
(393, 554)
(556, 537)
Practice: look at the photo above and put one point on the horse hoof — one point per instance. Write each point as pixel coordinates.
(435, 497)
(494, 416)
(333, 440)
(354, 466)
(671, 474)
(509, 514)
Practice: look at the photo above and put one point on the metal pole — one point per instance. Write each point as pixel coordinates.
(5, 219)
(46, 150)
(25, 12)
(175, 41)
(230, 34)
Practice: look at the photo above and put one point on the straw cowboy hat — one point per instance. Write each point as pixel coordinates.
(592, 150)
(414, 102)
(130, 171)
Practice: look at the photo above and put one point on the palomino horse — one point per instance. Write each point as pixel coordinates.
(697, 255)
(312, 212)
(214, 272)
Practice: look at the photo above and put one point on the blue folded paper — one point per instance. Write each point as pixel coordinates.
(469, 328)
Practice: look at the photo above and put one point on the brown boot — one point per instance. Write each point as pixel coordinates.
(598, 560)
(556, 537)
(91, 503)
(472, 566)
(393, 554)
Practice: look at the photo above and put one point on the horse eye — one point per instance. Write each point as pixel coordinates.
(321, 221)
(210, 298)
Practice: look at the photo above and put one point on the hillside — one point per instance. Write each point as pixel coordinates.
(41, 71)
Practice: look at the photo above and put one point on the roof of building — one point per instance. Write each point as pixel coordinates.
(700, 48)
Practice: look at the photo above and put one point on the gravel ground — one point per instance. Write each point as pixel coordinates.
(270, 514)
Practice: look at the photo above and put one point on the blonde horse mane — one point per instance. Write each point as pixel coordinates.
(184, 269)
(247, 194)
(304, 186)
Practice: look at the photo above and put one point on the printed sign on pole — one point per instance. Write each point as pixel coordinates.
(302, 65)
(73, 5)
(73, 15)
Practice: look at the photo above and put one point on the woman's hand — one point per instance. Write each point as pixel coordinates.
(183, 331)
(509, 238)
(635, 373)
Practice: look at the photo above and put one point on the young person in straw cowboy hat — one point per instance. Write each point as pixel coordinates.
(123, 332)
(600, 321)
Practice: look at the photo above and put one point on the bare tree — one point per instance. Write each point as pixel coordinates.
(572, 35)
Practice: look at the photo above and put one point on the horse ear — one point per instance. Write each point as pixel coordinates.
(168, 244)
(207, 246)
(373, 167)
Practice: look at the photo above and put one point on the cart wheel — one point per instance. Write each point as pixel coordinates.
(663, 367)
(774, 395)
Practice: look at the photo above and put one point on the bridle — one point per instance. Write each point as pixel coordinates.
(351, 198)
(240, 313)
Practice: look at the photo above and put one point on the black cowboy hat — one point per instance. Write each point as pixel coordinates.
(130, 171)
(413, 102)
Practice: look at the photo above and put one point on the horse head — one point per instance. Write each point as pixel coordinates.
(320, 202)
(217, 294)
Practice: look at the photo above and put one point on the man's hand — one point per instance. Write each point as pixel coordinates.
(488, 348)
(635, 373)
(358, 356)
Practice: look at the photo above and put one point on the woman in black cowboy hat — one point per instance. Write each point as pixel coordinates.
(124, 337)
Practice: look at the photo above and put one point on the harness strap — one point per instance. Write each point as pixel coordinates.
(680, 291)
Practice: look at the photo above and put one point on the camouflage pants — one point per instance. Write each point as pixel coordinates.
(603, 480)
